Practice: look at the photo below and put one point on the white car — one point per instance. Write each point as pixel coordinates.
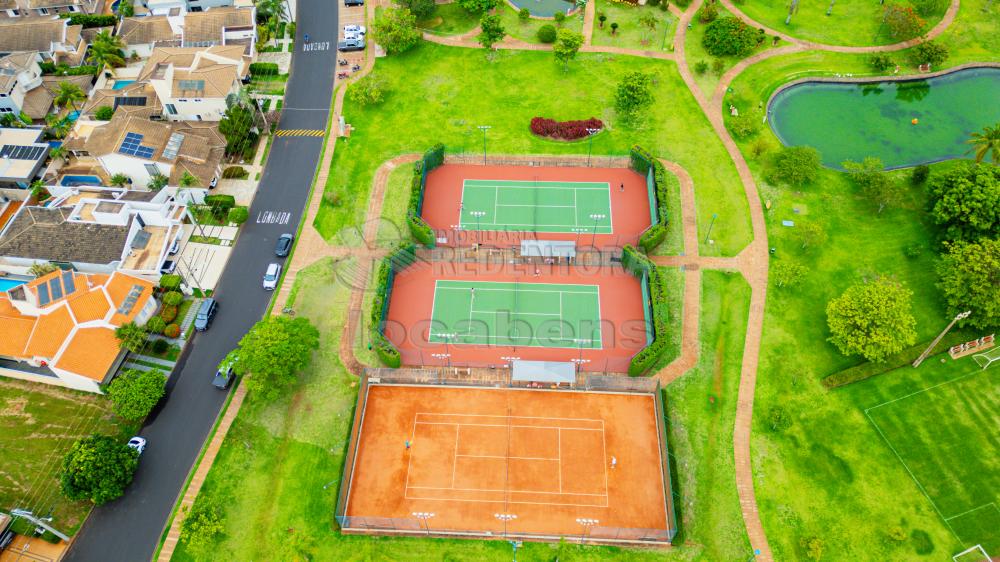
(355, 29)
(271, 276)
(137, 443)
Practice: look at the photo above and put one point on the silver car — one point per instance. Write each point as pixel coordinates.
(271, 276)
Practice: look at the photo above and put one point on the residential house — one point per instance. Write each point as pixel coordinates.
(22, 155)
(96, 230)
(222, 26)
(165, 7)
(60, 328)
(44, 8)
(19, 74)
(193, 83)
(142, 34)
(138, 99)
(54, 39)
(142, 148)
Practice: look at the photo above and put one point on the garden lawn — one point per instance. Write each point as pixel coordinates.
(528, 31)
(852, 22)
(631, 34)
(440, 94)
(38, 425)
(449, 19)
(277, 475)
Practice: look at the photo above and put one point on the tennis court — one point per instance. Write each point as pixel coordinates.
(536, 206)
(516, 314)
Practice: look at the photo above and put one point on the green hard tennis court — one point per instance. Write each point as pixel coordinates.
(516, 314)
(536, 206)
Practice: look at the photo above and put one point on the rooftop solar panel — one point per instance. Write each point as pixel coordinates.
(21, 152)
(56, 289)
(129, 303)
(68, 282)
(43, 295)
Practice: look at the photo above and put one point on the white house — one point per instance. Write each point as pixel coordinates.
(22, 155)
(192, 83)
(177, 26)
(19, 74)
(51, 37)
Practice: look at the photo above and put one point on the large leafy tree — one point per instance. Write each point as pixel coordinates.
(478, 6)
(68, 94)
(131, 336)
(273, 351)
(97, 468)
(237, 126)
(986, 143)
(423, 9)
(730, 37)
(872, 319)
(396, 30)
(965, 201)
(369, 90)
(106, 50)
(970, 280)
(134, 393)
(877, 186)
(634, 94)
(568, 43)
(491, 30)
(795, 166)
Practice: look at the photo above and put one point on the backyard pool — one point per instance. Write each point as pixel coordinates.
(904, 123)
(119, 84)
(73, 115)
(8, 284)
(72, 181)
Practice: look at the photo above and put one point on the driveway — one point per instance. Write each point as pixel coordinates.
(129, 529)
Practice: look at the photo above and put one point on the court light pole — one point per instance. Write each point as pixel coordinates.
(959, 316)
(424, 516)
(515, 545)
(586, 523)
(596, 217)
(484, 128)
(590, 144)
(710, 225)
(479, 222)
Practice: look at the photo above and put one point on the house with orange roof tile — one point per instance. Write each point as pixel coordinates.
(60, 328)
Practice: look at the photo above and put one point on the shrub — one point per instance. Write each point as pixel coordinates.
(238, 215)
(730, 37)
(744, 125)
(547, 33)
(172, 331)
(220, 204)
(760, 147)
(264, 68)
(930, 53)
(170, 282)
(169, 313)
(155, 325)
(701, 67)
(718, 66)
(104, 113)
(65, 70)
(905, 357)
(913, 251)
(637, 264)
(397, 260)
(928, 7)
(559, 18)
(708, 13)
(333, 198)
(88, 21)
(564, 130)
(524, 15)
(235, 172)
(920, 174)
(172, 298)
(880, 62)
(902, 21)
(160, 346)
(370, 90)
(794, 165)
(682, 3)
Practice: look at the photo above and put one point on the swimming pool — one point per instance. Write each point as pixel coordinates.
(904, 123)
(72, 181)
(73, 115)
(8, 284)
(119, 84)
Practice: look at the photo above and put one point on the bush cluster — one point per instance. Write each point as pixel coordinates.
(235, 172)
(88, 20)
(172, 331)
(564, 130)
(640, 160)
(637, 264)
(399, 259)
(730, 37)
(264, 68)
(547, 33)
(419, 228)
(66, 70)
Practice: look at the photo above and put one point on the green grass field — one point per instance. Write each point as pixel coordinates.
(548, 206)
(630, 33)
(516, 314)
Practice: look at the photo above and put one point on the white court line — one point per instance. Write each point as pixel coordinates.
(460, 281)
(513, 313)
(454, 458)
(502, 490)
(487, 289)
(559, 452)
(506, 457)
(605, 504)
(505, 425)
(536, 206)
(505, 416)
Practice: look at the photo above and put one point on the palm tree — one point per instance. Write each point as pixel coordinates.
(157, 182)
(188, 180)
(106, 50)
(120, 180)
(986, 142)
(58, 126)
(58, 153)
(268, 9)
(68, 93)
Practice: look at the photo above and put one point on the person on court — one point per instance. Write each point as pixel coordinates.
(622, 188)
(614, 462)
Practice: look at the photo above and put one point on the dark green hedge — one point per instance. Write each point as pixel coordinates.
(398, 260)
(640, 160)
(637, 264)
(89, 20)
(65, 70)
(264, 68)
(419, 228)
(434, 157)
(869, 369)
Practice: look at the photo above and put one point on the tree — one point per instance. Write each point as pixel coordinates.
(927, 8)
(238, 215)
(811, 234)
(201, 525)
(370, 90)
(986, 143)
(547, 33)
(876, 185)
(730, 37)
(633, 94)
(396, 30)
(131, 336)
(559, 18)
(523, 15)
(744, 125)
(126, 8)
(614, 27)
(478, 6)
(903, 21)
(701, 67)
(930, 53)
(58, 153)
(491, 30)
(872, 319)
(970, 280)
(106, 50)
(274, 350)
(648, 22)
(42, 269)
(601, 18)
(157, 182)
(794, 165)
(104, 113)
(568, 43)
(965, 201)
(68, 93)
(188, 180)
(920, 174)
(787, 273)
(134, 393)
(880, 62)
(271, 10)
(120, 180)
(708, 13)
(156, 325)
(422, 9)
(237, 126)
(97, 468)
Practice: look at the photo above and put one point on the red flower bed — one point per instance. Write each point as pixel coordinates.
(564, 130)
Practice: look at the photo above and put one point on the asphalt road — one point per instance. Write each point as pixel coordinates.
(129, 529)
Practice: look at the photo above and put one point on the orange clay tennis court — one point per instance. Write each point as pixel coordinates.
(467, 204)
(475, 454)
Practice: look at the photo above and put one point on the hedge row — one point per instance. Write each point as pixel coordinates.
(397, 260)
(640, 160)
(564, 130)
(637, 264)
(267, 68)
(49, 68)
(89, 20)
(869, 369)
(419, 228)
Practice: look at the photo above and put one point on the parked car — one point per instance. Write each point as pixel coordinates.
(175, 247)
(284, 245)
(168, 267)
(355, 29)
(354, 2)
(224, 376)
(137, 443)
(206, 312)
(271, 276)
(357, 44)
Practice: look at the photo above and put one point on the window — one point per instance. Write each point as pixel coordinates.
(43, 11)
(13, 13)
(6, 110)
(72, 8)
(171, 110)
(152, 170)
(182, 101)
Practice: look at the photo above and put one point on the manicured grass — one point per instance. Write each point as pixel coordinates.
(277, 476)
(449, 19)
(528, 31)
(673, 244)
(852, 22)
(630, 34)
(674, 279)
(38, 425)
(393, 227)
(429, 102)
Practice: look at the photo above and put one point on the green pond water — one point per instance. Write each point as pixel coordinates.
(851, 121)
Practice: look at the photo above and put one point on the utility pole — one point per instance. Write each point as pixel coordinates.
(484, 128)
(590, 144)
(31, 517)
(959, 316)
(710, 225)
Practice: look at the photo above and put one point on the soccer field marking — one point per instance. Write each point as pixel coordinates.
(906, 467)
(472, 190)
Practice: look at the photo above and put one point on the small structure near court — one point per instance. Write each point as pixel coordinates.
(543, 373)
(488, 462)
(549, 251)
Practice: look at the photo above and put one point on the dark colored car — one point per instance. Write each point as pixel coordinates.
(168, 267)
(206, 312)
(354, 2)
(284, 245)
(223, 377)
(356, 44)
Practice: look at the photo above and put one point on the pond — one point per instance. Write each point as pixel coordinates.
(904, 123)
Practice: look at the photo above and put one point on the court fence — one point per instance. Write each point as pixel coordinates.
(396, 261)
(654, 294)
(431, 159)
(560, 160)
(642, 162)
(412, 526)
